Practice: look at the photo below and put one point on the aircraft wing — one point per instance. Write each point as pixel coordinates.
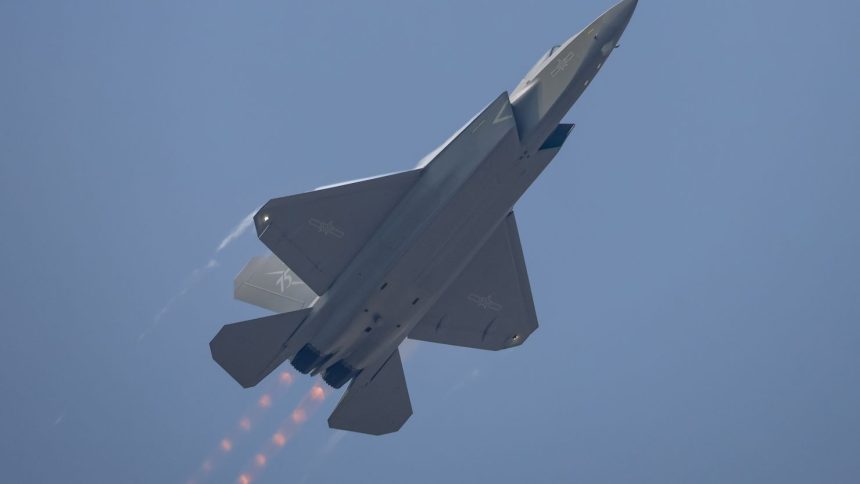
(267, 282)
(316, 234)
(489, 306)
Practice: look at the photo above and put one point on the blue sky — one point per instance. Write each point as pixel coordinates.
(693, 250)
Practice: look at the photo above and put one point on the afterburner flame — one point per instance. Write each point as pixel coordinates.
(245, 423)
(317, 393)
(286, 377)
(279, 439)
(226, 445)
(260, 459)
(299, 415)
(265, 401)
(244, 479)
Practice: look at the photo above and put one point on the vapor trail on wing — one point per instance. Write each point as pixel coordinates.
(243, 425)
(237, 231)
(284, 433)
(198, 274)
(190, 282)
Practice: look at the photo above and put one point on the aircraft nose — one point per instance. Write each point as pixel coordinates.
(615, 19)
(624, 8)
(611, 25)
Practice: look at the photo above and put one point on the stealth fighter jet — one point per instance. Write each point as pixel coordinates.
(431, 254)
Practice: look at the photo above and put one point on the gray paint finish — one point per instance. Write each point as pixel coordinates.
(415, 253)
(489, 306)
(267, 282)
(692, 249)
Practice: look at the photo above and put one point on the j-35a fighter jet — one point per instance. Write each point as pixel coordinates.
(431, 254)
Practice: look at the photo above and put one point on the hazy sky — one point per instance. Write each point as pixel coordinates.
(693, 250)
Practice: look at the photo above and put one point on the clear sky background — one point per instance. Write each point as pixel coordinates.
(693, 250)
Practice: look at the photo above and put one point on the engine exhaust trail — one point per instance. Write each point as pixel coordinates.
(244, 424)
(284, 433)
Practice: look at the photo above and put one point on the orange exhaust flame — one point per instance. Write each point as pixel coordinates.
(244, 479)
(246, 422)
(288, 428)
(299, 415)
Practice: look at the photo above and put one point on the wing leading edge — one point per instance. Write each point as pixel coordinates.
(316, 234)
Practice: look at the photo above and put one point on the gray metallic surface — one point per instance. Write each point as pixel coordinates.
(268, 283)
(250, 350)
(317, 234)
(432, 253)
(489, 306)
(362, 410)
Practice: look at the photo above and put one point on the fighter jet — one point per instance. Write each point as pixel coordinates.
(431, 254)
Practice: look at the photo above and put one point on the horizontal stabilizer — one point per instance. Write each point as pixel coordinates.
(316, 234)
(268, 283)
(376, 402)
(250, 350)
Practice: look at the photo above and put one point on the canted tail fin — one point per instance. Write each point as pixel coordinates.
(268, 283)
(250, 350)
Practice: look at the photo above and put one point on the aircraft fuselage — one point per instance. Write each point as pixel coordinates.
(445, 218)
